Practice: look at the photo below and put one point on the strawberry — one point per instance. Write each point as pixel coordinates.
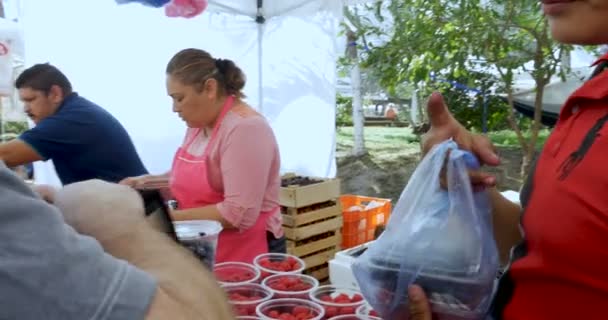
(300, 309)
(356, 298)
(346, 310)
(331, 312)
(326, 298)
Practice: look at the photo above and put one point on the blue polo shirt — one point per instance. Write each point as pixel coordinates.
(85, 142)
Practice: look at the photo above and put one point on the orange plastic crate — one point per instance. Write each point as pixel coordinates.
(353, 240)
(357, 222)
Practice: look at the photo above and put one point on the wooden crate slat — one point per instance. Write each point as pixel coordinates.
(319, 258)
(308, 248)
(301, 196)
(319, 274)
(300, 233)
(294, 219)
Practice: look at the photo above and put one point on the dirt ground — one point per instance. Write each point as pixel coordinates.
(385, 177)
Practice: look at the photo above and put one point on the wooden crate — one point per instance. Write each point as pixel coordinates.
(307, 222)
(313, 231)
(304, 249)
(320, 273)
(302, 196)
(295, 217)
(316, 252)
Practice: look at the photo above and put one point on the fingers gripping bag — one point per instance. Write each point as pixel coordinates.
(441, 240)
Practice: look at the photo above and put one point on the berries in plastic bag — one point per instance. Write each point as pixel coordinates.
(439, 239)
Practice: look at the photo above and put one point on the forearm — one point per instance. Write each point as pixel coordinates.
(159, 178)
(506, 216)
(209, 212)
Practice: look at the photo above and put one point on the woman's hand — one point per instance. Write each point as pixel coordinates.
(444, 126)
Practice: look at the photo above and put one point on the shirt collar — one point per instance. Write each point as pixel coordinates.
(601, 59)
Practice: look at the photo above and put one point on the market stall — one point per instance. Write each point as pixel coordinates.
(291, 75)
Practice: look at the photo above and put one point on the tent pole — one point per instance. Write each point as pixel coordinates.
(260, 19)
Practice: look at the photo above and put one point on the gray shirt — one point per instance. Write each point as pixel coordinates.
(49, 271)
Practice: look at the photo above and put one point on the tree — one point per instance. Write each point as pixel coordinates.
(357, 103)
(458, 39)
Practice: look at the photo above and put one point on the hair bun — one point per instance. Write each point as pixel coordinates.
(234, 79)
(222, 65)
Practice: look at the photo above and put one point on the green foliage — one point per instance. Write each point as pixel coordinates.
(15, 127)
(344, 111)
(507, 138)
(442, 37)
(481, 44)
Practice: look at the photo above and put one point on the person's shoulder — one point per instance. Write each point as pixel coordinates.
(256, 125)
(243, 115)
(76, 107)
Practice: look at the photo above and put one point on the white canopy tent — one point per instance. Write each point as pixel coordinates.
(115, 55)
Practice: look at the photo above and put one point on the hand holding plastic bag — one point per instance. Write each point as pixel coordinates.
(439, 239)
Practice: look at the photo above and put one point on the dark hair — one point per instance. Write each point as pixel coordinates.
(194, 66)
(41, 77)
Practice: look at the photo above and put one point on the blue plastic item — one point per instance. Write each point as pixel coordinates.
(148, 3)
(439, 239)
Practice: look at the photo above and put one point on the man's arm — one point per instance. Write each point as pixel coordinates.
(48, 271)
(16, 152)
(506, 215)
(125, 233)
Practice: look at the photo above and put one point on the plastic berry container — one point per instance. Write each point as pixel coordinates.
(228, 273)
(337, 300)
(367, 311)
(278, 263)
(354, 317)
(245, 298)
(297, 286)
(287, 309)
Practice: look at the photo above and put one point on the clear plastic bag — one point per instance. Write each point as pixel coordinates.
(439, 239)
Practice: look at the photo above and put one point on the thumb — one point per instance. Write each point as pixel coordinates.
(419, 304)
(438, 112)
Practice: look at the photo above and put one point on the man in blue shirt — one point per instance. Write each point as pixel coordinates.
(83, 140)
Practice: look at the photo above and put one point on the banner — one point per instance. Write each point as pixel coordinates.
(11, 44)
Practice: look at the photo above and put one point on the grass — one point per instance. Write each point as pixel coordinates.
(383, 142)
(508, 138)
(390, 142)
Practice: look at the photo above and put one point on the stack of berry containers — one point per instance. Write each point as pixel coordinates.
(229, 273)
(290, 285)
(245, 298)
(278, 263)
(290, 309)
(337, 300)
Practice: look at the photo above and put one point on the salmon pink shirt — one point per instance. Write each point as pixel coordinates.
(244, 165)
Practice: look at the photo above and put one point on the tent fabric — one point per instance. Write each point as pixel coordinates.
(120, 65)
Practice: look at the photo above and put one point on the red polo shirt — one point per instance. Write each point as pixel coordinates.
(564, 274)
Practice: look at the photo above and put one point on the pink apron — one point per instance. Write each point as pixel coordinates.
(191, 189)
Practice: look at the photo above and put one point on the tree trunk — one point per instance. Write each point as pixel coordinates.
(513, 122)
(536, 125)
(358, 116)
